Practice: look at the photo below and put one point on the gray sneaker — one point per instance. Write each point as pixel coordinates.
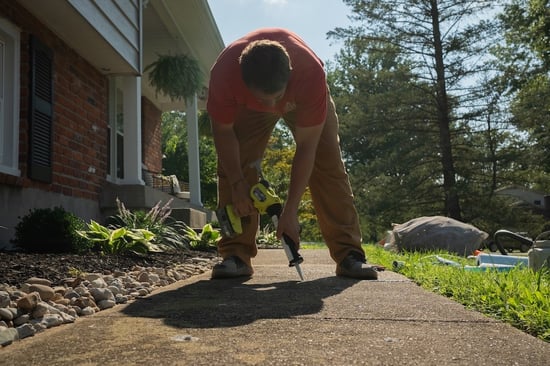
(355, 267)
(231, 267)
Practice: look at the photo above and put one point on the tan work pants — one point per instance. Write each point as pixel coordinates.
(329, 185)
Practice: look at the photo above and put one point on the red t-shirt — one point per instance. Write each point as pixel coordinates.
(306, 92)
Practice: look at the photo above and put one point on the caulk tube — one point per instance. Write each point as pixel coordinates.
(294, 257)
(290, 247)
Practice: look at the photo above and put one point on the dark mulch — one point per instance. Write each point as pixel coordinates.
(16, 267)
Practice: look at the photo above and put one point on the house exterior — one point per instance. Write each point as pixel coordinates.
(79, 123)
(536, 201)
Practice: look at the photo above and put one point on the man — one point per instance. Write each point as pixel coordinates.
(264, 76)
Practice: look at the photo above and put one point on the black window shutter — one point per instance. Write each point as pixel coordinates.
(40, 111)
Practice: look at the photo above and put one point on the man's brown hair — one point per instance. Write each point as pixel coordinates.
(265, 65)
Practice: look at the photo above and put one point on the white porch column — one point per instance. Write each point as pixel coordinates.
(131, 86)
(193, 153)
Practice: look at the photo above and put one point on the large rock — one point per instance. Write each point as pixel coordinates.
(25, 330)
(39, 281)
(6, 314)
(28, 302)
(46, 292)
(8, 335)
(100, 294)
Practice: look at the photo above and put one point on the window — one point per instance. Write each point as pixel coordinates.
(115, 143)
(9, 97)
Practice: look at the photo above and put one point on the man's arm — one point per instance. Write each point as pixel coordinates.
(307, 139)
(227, 149)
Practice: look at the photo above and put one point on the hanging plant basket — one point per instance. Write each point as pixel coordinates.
(176, 76)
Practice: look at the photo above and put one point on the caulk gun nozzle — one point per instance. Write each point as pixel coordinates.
(299, 270)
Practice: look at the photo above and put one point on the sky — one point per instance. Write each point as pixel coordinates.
(310, 19)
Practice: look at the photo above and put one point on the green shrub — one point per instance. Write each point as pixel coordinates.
(50, 230)
(120, 240)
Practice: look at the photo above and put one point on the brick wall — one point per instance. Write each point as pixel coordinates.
(79, 153)
(151, 133)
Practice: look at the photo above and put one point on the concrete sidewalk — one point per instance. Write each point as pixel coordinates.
(272, 319)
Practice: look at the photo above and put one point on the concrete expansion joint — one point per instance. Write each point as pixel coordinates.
(398, 320)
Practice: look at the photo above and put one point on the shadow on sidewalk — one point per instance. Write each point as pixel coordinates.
(233, 302)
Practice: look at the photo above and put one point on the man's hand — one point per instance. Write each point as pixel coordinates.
(242, 202)
(289, 225)
(227, 149)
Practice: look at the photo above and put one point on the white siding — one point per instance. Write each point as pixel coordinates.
(118, 22)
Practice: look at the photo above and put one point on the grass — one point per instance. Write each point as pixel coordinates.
(520, 297)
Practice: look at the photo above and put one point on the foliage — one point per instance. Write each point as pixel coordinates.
(437, 41)
(526, 29)
(531, 112)
(168, 233)
(387, 146)
(523, 60)
(175, 149)
(402, 135)
(206, 240)
(50, 230)
(76, 273)
(120, 240)
(177, 76)
(519, 297)
(267, 238)
(277, 164)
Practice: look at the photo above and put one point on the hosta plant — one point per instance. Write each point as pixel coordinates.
(206, 240)
(169, 233)
(120, 240)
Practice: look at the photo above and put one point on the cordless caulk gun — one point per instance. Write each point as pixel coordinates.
(267, 202)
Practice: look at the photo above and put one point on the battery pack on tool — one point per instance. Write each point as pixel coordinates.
(230, 223)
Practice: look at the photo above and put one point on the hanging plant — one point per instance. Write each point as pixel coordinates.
(176, 76)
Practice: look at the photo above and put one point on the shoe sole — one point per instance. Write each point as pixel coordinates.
(366, 274)
(220, 273)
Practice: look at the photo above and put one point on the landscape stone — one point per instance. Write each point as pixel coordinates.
(121, 299)
(39, 281)
(28, 302)
(6, 314)
(88, 310)
(70, 294)
(37, 304)
(25, 330)
(92, 276)
(46, 292)
(22, 319)
(52, 320)
(98, 283)
(84, 302)
(100, 294)
(106, 304)
(40, 310)
(5, 299)
(8, 335)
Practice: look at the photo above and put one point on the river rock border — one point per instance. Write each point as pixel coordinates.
(37, 304)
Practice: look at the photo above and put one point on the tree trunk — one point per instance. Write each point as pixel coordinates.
(452, 205)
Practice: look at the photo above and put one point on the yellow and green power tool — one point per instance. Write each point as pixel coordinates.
(267, 202)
